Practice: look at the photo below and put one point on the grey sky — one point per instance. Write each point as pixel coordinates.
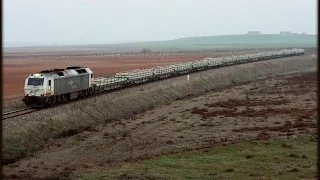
(34, 22)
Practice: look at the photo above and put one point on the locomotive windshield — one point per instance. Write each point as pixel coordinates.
(35, 81)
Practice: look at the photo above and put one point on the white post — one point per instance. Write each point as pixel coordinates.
(188, 77)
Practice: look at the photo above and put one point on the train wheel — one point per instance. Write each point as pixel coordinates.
(63, 98)
(49, 102)
(59, 100)
(89, 92)
(53, 100)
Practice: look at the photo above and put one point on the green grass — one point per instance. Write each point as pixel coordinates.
(18, 148)
(245, 160)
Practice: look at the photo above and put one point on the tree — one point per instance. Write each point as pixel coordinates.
(145, 50)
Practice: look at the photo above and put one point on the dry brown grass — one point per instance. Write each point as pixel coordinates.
(71, 132)
(232, 103)
(293, 112)
(13, 105)
(295, 85)
(283, 128)
(196, 110)
(307, 78)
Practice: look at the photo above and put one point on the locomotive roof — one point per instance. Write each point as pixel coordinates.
(51, 70)
(71, 70)
(58, 70)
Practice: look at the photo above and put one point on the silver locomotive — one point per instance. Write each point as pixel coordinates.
(50, 87)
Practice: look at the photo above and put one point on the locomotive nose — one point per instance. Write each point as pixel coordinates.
(36, 91)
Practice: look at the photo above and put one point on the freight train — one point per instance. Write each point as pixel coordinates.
(50, 87)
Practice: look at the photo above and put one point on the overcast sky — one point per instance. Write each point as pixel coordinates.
(48, 22)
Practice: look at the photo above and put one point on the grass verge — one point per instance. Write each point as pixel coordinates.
(278, 158)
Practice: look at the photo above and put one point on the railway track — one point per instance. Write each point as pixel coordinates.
(16, 113)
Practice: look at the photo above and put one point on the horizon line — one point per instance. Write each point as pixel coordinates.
(37, 44)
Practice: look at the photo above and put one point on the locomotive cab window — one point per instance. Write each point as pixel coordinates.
(35, 81)
(49, 82)
(91, 75)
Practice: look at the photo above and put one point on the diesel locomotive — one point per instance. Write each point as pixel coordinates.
(54, 86)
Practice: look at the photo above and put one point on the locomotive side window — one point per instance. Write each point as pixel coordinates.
(91, 75)
(49, 82)
(80, 71)
(60, 74)
(35, 81)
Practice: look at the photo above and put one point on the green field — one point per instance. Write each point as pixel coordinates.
(280, 158)
(231, 41)
(262, 41)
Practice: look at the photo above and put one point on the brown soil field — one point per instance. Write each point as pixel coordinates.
(16, 70)
(283, 106)
(17, 66)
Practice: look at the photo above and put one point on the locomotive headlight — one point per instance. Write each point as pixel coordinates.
(37, 75)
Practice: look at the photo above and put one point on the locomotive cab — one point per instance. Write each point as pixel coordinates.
(35, 85)
(36, 88)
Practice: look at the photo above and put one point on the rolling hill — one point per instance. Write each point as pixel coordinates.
(189, 43)
(234, 41)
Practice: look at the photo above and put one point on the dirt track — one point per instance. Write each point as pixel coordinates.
(279, 106)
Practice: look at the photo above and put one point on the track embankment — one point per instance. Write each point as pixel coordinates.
(32, 132)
